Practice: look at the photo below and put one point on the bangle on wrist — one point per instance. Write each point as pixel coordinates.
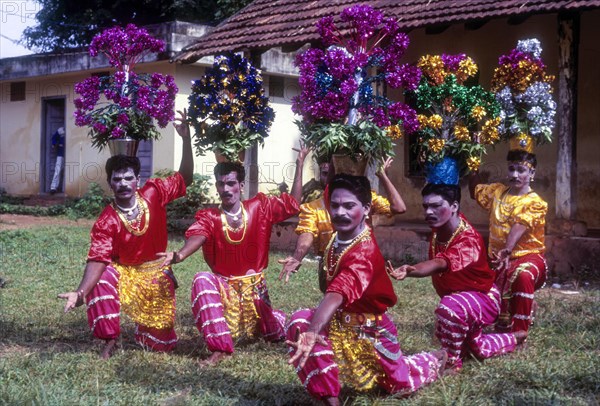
(175, 258)
(80, 295)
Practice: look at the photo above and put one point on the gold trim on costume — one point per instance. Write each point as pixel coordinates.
(239, 309)
(331, 265)
(145, 294)
(142, 210)
(227, 227)
(434, 242)
(359, 319)
(355, 354)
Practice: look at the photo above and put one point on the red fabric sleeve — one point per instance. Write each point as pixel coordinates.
(170, 188)
(279, 208)
(352, 281)
(103, 234)
(463, 253)
(204, 224)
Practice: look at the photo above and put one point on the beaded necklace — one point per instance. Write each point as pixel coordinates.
(332, 264)
(235, 215)
(434, 242)
(227, 227)
(129, 210)
(136, 229)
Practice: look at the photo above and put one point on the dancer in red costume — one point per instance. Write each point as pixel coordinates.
(314, 224)
(462, 278)
(232, 301)
(349, 337)
(123, 271)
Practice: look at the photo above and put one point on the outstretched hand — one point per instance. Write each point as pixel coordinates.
(167, 258)
(182, 125)
(385, 166)
(304, 345)
(302, 151)
(399, 273)
(73, 300)
(290, 266)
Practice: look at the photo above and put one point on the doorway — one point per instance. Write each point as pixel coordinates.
(145, 155)
(53, 118)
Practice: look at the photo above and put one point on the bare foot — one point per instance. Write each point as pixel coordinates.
(108, 349)
(442, 356)
(214, 359)
(520, 336)
(331, 400)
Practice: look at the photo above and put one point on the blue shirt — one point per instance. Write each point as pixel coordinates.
(58, 141)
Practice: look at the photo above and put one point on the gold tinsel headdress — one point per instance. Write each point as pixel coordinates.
(522, 142)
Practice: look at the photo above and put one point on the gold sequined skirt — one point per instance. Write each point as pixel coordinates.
(145, 294)
(239, 307)
(352, 337)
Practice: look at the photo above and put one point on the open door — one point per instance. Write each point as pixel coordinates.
(145, 155)
(53, 118)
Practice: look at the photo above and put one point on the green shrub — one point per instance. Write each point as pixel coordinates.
(186, 207)
(33, 210)
(5, 198)
(90, 205)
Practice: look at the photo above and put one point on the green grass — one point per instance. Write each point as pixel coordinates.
(49, 358)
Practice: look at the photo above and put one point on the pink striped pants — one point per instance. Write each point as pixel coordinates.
(401, 374)
(460, 319)
(104, 310)
(208, 308)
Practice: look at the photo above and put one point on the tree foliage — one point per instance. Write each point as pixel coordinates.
(70, 24)
(226, 8)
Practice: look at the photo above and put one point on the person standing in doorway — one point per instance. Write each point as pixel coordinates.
(58, 144)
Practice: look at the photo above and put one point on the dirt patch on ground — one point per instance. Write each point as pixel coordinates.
(18, 221)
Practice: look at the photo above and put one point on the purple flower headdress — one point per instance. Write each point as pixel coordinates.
(125, 104)
(342, 85)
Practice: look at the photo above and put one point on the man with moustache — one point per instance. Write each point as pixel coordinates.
(123, 271)
(232, 302)
(314, 225)
(349, 337)
(462, 278)
(517, 233)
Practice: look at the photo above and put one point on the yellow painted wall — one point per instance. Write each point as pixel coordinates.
(277, 160)
(21, 129)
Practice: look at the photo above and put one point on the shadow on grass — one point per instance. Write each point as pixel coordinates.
(156, 373)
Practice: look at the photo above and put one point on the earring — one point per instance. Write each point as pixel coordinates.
(531, 179)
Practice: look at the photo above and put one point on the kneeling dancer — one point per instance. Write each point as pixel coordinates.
(122, 270)
(462, 278)
(232, 302)
(349, 337)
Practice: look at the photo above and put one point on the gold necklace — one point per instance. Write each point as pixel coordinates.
(227, 227)
(331, 265)
(434, 242)
(142, 211)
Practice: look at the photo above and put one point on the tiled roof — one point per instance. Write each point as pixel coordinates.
(266, 24)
